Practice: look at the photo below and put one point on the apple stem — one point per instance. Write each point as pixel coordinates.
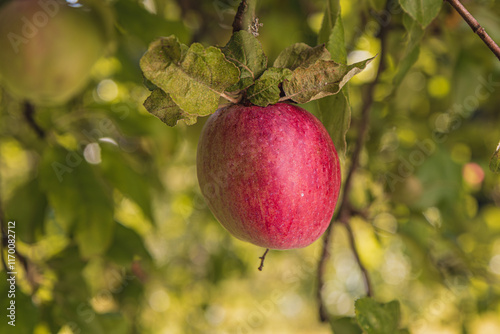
(262, 258)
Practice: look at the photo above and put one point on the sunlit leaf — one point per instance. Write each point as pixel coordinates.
(332, 12)
(423, 11)
(323, 78)
(336, 42)
(194, 77)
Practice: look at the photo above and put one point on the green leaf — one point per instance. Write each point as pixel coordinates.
(335, 114)
(73, 296)
(495, 161)
(440, 176)
(113, 323)
(126, 245)
(345, 325)
(194, 77)
(336, 42)
(301, 54)
(332, 12)
(134, 19)
(412, 49)
(161, 105)
(335, 110)
(245, 51)
(423, 11)
(266, 89)
(27, 206)
(378, 4)
(118, 170)
(81, 201)
(377, 318)
(324, 78)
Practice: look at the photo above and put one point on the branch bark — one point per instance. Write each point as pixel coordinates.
(475, 26)
(238, 18)
(245, 15)
(29, 113)
(345, 211)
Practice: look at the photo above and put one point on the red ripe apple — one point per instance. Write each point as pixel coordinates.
(271, 176)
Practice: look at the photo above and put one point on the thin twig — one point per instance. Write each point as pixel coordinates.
(364, 271)
(475, 26)
(344, 212)
(4, 244)
(262, 258)
(29, 113)
(325, 255)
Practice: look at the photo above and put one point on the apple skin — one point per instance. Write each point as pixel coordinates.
(271, 176)
(48, 49)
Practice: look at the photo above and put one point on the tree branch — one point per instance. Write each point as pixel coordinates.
(475, 26)
(245, 16)
(29, 112)
(325, 255)
(238, 18)
(344, 212)
(5, 242)
(364, 271)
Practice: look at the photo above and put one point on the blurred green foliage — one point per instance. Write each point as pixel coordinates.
(115, 236)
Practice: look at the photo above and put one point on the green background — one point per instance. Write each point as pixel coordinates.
(126, 244)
